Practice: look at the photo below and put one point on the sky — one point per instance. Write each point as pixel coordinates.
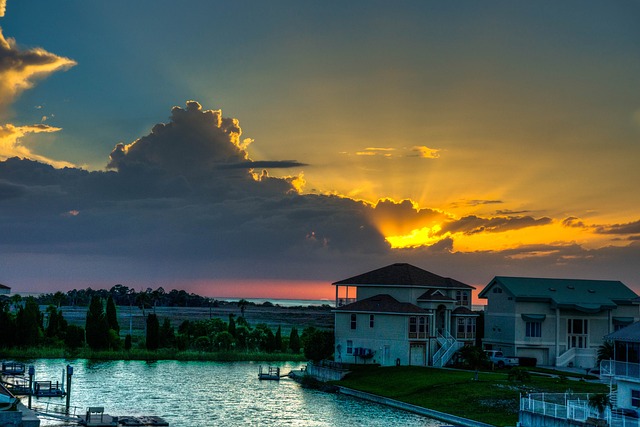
(268, 149)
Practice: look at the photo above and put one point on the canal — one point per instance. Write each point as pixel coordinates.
(197, 394)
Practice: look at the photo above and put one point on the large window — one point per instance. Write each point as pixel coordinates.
(577, 333)
(533, 329)
(466, 328)
(462, 298)
(418, 327)
(353, 321)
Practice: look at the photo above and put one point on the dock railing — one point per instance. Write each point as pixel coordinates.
(564, 406)
(57, 411)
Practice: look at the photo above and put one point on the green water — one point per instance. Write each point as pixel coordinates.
(197, 394)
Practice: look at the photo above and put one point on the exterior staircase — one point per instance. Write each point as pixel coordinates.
(448, 346)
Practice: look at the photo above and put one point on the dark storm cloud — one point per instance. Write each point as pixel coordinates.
(473, 224)
(273, 164)
(628, 228)
(172, 197)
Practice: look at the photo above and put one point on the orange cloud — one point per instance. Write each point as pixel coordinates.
(11, 146)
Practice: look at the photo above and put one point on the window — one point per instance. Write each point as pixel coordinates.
(577, 333)
(371, 320)
(533, 329)
(497, 290)
(418, 327)
(349, 347)
(353, 321)
(635, 398)
(466, 328)
(462, 298)
(413, 327)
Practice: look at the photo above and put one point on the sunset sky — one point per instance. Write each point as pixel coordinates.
(268, 149)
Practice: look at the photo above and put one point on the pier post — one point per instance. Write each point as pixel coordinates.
(69, 375)
(32, 372)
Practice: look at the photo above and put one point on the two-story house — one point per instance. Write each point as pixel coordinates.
(560, 322)
(402, 315)
(624, 372)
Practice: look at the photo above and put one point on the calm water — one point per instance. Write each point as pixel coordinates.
(197, 394)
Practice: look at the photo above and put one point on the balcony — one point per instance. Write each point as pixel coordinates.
(626, 370)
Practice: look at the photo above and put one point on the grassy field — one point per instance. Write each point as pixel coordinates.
(492, 399)
(285, 317)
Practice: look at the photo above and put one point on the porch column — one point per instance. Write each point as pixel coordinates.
(337, 286)
(447, 321)
(557, 334)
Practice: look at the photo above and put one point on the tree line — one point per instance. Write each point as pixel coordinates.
(22, 324)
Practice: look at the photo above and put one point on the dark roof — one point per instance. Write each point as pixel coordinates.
(583, 295)
(382, 303)
(629, 333)
(402, 274)
(463, 311)
(4, 287)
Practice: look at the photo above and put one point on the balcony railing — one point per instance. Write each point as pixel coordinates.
(620, 369)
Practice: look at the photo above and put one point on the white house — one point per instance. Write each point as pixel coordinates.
(624, 371)
(560, 322)
(402, 314)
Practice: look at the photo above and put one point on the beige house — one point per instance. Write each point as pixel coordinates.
(402, 314)
(560, 322)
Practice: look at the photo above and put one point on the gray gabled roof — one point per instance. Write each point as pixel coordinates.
(584, 295)
(4, 287)
(402, 274)
(629, 333)
(382, 304)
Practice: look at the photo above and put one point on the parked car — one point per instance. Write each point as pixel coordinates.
(500, 360)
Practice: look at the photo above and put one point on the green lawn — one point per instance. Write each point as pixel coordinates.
(492, 399)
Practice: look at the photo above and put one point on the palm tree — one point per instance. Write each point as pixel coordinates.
(605, 351)
(600, 402)
(242, 305)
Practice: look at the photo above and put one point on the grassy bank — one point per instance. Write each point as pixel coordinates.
(492, 399)
(141, 354)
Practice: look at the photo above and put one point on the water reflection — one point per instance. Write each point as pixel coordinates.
(196, 394)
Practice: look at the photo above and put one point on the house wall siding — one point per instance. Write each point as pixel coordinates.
(389, 330)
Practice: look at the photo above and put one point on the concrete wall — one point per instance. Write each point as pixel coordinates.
(413, 408)
(529, 419)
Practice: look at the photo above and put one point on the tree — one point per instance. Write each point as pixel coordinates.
(318, 345)
(242, 305)
(153, 332)
(57, 325)
(127, 342)
(600, 402)
(223, 341)
(97, 327)
(28, 323)
(605, 351)
(278, 339)
(294, 341)
(167, 334)
(7, 325)
(74, 338)
(232, 326)
(112, 315)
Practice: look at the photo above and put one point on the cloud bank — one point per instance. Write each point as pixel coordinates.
(184, 204)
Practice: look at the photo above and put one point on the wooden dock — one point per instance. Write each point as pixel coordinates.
(272, 373)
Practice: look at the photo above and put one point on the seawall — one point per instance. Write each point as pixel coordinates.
(442, 416)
